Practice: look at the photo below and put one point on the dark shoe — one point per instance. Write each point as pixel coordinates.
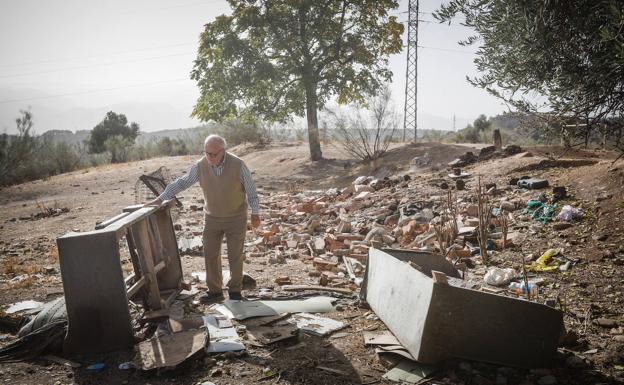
(236, 296)
(209, 298)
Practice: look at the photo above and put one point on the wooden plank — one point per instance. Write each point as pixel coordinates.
(161, 265)
(130, 279)
(171, 277)
(348, 266)
(110, 221)
(155, 241)
(439, 277)
(171, 297)
(146, 262)
(135, 265)
(138, 285)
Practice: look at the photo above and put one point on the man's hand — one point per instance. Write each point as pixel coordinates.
(155, 202)
(255, 220)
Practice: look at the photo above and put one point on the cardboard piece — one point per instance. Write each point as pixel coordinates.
(24, 305)
(181, 324)
(316, 325)
(266, 335)
(168, 350)
(395, 349)
(222, 339)
(409, 371)
(263, 321)
(385, 338)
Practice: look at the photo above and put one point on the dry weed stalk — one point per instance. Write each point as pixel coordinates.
(525, 279)
(446, 231)
(484, 213)
(451, 203)
(504, 228)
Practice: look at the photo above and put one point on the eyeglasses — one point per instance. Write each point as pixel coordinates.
(212, 154)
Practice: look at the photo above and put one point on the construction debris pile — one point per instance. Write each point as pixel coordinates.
(402, 257)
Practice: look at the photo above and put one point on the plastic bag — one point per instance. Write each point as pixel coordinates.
(498, 277)
(545, 262)
(569, 214)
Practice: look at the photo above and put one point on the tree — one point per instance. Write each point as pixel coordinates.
(482, 123)
(277, 58)
(19, 153)
(567, 53)
(118, 146)
(368, 139)
(112, 125)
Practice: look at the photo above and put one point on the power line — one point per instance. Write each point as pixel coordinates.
(447, 49)
(92, 91)
(436, 23)
(94, 65)
(208, 2)
(96, 56)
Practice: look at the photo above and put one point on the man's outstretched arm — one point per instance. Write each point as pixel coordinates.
(177, 186)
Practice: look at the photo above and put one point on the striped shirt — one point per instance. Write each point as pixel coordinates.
(192, 177)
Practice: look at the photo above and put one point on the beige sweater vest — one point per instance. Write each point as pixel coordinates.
(224, 195)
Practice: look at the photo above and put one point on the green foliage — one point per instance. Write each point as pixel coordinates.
(482, 123)
(173, 147)
(25, 157)
(237, 131)
(118, 146)
(274, 59)
(18, 153)
(113, 125)
(567, 53)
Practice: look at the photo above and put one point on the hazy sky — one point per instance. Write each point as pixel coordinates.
(73, 60)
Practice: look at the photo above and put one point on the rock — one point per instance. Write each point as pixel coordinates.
(512, 149)
(559, 192)
(209, 362)
(486, 151)
(562, 226)
(603, 197)
(606, 322)
(507, 206)
(608, 254)
(460, 185)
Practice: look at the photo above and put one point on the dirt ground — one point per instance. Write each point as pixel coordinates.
(589, 292)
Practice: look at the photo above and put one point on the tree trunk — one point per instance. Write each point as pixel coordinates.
(313, 131)
(498, 140)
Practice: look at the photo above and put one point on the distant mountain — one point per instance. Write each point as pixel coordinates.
(60, 113)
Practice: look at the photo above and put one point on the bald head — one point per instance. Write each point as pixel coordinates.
(215, 140)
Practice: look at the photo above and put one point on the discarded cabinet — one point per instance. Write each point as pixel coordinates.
(436, 320)
(96, 292)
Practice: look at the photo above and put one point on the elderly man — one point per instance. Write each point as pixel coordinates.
(225, 180)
